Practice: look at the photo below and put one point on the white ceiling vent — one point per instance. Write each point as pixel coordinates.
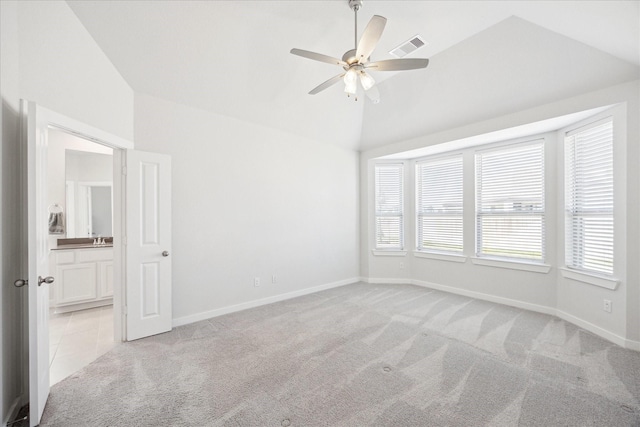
(407, 47)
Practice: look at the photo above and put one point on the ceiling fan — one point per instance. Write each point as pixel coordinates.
(355, 62)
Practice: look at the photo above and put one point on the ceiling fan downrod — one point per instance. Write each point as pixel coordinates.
(355, 5)
(350, 56)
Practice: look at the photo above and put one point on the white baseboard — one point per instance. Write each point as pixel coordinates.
(603, 333)
(633, 345)
(485, 297)
(12, 413)
(374, 280)
(616, 339)
(185, 320)
(82, 306)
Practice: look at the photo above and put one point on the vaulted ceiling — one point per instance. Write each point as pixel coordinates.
(487, 58)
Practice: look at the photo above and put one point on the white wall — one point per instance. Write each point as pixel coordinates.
(47, 56)
(250, 201)
(62, 68)
(545, 292)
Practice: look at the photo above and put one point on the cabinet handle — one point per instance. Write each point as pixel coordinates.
(165, 253)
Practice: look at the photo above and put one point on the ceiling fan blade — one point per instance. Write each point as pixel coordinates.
(373, 94)
(398, 64)
(318, 57)
(370, 37)
(333, 80)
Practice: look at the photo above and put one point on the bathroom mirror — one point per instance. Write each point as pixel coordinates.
(89, 195)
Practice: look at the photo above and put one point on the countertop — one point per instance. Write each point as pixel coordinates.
(81, 246)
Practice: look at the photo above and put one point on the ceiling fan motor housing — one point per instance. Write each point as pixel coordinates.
(350, 58)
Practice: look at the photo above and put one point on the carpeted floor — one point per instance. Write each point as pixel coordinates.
(360, 355)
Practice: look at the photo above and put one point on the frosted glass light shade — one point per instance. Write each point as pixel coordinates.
(366, 80)
(351, 82)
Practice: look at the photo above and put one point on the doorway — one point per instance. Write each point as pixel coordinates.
(140, 265)
(80, 244)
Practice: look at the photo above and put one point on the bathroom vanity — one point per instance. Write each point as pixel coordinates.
(83, 277)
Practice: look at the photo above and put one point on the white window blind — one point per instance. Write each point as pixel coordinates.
(589, 198)
(389, 206)
(510, 217)
(439, 204)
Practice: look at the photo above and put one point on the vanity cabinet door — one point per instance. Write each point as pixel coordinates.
(106, 279)
(77, 283)
(84, 278)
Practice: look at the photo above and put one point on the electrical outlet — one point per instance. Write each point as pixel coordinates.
(273, 279)
(256, 282)
(607, 306)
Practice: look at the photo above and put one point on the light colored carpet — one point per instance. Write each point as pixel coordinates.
(360, 355)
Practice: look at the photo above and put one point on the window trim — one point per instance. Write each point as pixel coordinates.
(441, 256)
(512, 264)
(389, 252)
(607, 282)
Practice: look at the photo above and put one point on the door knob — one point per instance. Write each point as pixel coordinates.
(47, 280)
(20, 283)
(165, 253)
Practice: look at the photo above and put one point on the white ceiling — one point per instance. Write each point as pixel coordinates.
(232, 57)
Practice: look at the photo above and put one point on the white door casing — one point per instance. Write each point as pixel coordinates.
(148, 230)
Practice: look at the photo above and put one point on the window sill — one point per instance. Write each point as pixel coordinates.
(512, 265)
(378, 252)
(440, 257)
(591, 279)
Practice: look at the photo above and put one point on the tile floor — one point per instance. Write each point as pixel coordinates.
(77, 339)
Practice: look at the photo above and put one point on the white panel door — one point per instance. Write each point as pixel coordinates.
(148, 225)
(37, 258)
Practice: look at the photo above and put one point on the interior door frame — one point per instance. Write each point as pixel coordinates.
(119, 146)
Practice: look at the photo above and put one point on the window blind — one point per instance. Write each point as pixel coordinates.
(589, 198)
(439, 205)
(389, 202)
(510, 210)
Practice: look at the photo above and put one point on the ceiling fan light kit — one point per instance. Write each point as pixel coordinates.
(355, 62)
